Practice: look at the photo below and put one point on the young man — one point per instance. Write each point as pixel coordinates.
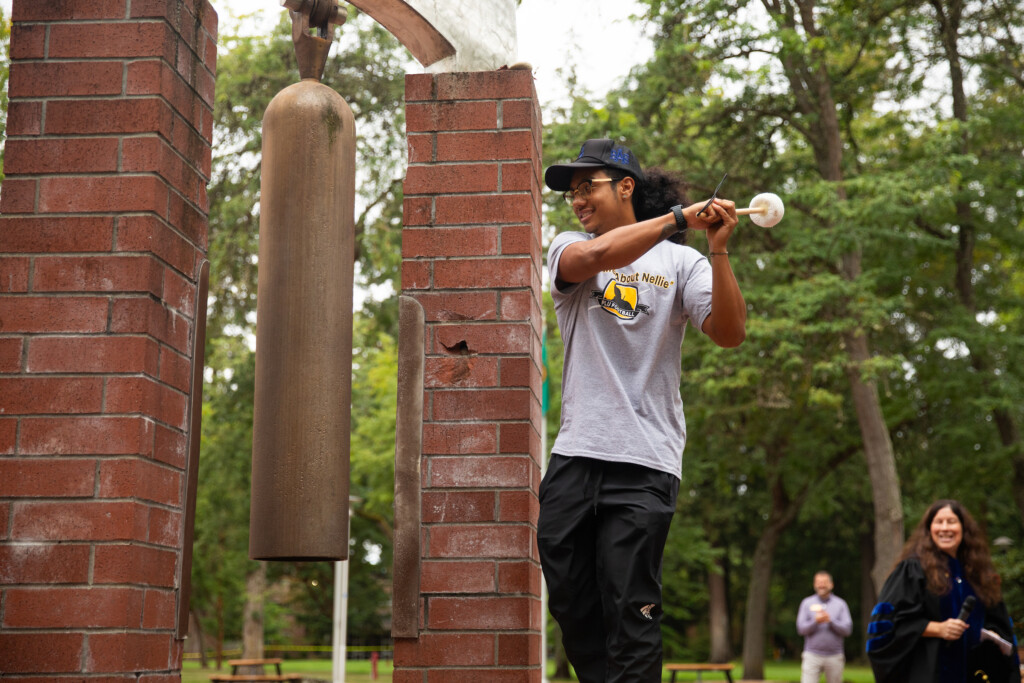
(624, 292)
(823, 620)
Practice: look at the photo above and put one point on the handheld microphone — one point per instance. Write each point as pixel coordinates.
(966, 608)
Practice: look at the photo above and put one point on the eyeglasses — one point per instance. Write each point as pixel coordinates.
(584, 189)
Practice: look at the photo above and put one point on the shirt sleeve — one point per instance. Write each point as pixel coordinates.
(558, 244)
(805, 622)
(842, 622)
(696, 297)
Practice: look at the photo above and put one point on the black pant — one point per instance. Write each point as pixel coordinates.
(601, 535)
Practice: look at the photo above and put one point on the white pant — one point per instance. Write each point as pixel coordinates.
(814, 665)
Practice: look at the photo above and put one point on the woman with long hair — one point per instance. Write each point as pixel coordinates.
(940, 617)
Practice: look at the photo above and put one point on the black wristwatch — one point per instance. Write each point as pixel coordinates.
(677, 211)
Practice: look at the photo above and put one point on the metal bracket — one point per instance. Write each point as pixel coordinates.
(311, 51)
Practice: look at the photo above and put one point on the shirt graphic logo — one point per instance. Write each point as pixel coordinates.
(620, 300)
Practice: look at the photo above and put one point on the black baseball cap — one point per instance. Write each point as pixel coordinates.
(597, 153)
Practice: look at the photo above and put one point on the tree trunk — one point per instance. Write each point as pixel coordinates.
(561, 660)
(718, 609)
(949, 15)
(757, 603)
(252, 617)
(868, 595)
(811, 87)
(196, 629)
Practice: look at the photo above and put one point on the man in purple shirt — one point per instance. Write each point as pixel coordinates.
(823, 620)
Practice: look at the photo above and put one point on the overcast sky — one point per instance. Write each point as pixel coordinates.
(595, 36)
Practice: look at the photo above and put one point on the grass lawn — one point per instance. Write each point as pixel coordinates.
(358, 671)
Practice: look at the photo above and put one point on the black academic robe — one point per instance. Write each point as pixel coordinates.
(898, 651)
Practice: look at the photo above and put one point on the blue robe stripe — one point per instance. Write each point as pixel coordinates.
(882, 608)
(879, 627)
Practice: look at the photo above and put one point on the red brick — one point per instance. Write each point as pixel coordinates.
(8, 436)
(150, 234)
(518, 239)
(176, 370)
(518, 506)
(94, 354)
(103, 194)
(164, 528)
(477, 541)
(28, 41)
(13, 275)
(51, 234)
(481, 404)
(449, 242)
(519, 649)
(447, 649)
(421, 149)
(483, 273)
(461, 371)
(65, 79)
(457, 577)
(144, 315)
(483, 338)
(75, 155)
(519, 176)
(47, 478)
(459, 438)
(36, 653)
(449, 116)
(119, 273)
(415, 275)
(483, 209)
(500, 84)
(519, 577)
(19, 196)
(517, 437)
(86, 117)
(139, 479)
(44, 563)
(170, 447)
(468, 675)
(519, 114)
(62, 11)
(520, 372)
(188, 219)
(79, 521)
(179, 293)
(479, 472)
(86, 436)
(461, 506)
(10, 356)
(47, 314)
(445, 178)
(130, 652)
(159, 610)
(142, 395)
(73, 608)
(23, 118)
(462, 613)
(419, 87)
(417, 211)
(450, 306)
(134, 564)
(498, 146)
(121, 39)
(519, 306)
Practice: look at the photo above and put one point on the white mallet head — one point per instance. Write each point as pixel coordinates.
(765, 210)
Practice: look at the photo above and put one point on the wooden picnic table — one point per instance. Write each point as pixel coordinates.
(699, 668)
(237, 664)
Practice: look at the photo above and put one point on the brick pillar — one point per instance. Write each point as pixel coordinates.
(103, 226)
(471, 253)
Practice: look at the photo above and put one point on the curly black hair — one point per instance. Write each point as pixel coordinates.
(658, 194)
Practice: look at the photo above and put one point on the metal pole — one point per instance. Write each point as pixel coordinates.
(340, 633)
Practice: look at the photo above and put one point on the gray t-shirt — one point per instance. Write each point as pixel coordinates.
(623, 334)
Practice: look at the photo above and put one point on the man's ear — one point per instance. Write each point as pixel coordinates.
(626, 187)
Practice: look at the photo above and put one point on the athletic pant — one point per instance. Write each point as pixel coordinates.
(601, 535)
